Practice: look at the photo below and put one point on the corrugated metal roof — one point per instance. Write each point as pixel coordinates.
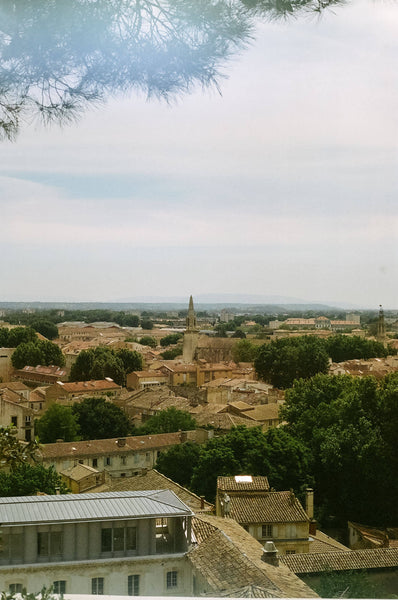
(90, 507)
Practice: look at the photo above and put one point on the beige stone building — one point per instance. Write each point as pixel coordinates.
(6, 368)
(267, 515)
(16, 414)
(67, 392)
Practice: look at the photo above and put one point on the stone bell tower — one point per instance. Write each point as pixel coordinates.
(381, 327)
(191, 335)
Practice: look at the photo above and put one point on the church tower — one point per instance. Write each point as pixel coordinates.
(191, 335)
(191, 317)
(381, 326)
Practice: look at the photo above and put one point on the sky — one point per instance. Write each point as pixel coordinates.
(284, 184)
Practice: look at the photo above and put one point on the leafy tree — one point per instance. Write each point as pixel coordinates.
(276, 454)
(178, 462)
(343, 584)
(167, 421)
(58, 422)
(346, 347)
(146, 324)
(132, 361)
(348, 424)
(98, 363)
(244, 351)
(284, 360)
(172, 338)
(12, 338)
(46, 328)
(239, 333)
(100, 419)
(14, 453)
(172, 353)
(27, 480)
(147, 340)
(40, 352)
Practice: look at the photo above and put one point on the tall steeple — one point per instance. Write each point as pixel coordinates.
(381, 326)
(191, 317)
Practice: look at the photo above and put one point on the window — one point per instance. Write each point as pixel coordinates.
(49, 543)
(266, 531)
(133, 585)
(59, 587)
(81, 462)
(107, 461)
(290, 552)
(118, 539)
(14, 421)
(123, 460)
(171, 579)
(97, 585)
(95, 463)
(15, 588)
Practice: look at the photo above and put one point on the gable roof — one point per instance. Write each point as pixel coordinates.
(229, 559)
(110, 446)
(231, 484)
(25, 510)
(88, 386)
(153, 480)
(342, 561)
(271, 507)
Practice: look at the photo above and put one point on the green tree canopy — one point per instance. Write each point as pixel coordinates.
(27, 480)
(14, 453)
(46, 328)
(146, 324)
(178, 462)
(172, 338)
(348, 424)
(58, 422)
(284, 360)
(347, 347)
(100, 362)
(11, 338)
(244, 351)
(275, 454)
(40, 352)
(167, 421)
(100, 419)
(148, 340)
(172, 353)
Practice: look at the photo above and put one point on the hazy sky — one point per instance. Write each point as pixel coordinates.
(285, 184)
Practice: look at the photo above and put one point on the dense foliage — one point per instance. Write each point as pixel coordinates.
(347, 347)
(349, 425)
(46, 328)
(12, 452)
(27, 480)
(98, 419)
(11, 338)
(38, 352)
(244, 351)
(172, 353)
(167, 421)
(178, 462)
(284, 360)
(58, 422)
(172, 338)
(100, 362)
(148, 340)
(276, 454)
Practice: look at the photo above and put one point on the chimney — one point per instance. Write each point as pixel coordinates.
(309, 503)
(312, 527)
(121, 442)
(202, 502)
(57, 491)
(270, 554)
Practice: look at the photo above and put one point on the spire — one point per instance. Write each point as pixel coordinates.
(191, 318)
(381, 327)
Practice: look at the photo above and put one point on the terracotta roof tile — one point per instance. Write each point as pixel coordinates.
(271, 507)
(230, 484)
(109, 446)
(342, 561)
